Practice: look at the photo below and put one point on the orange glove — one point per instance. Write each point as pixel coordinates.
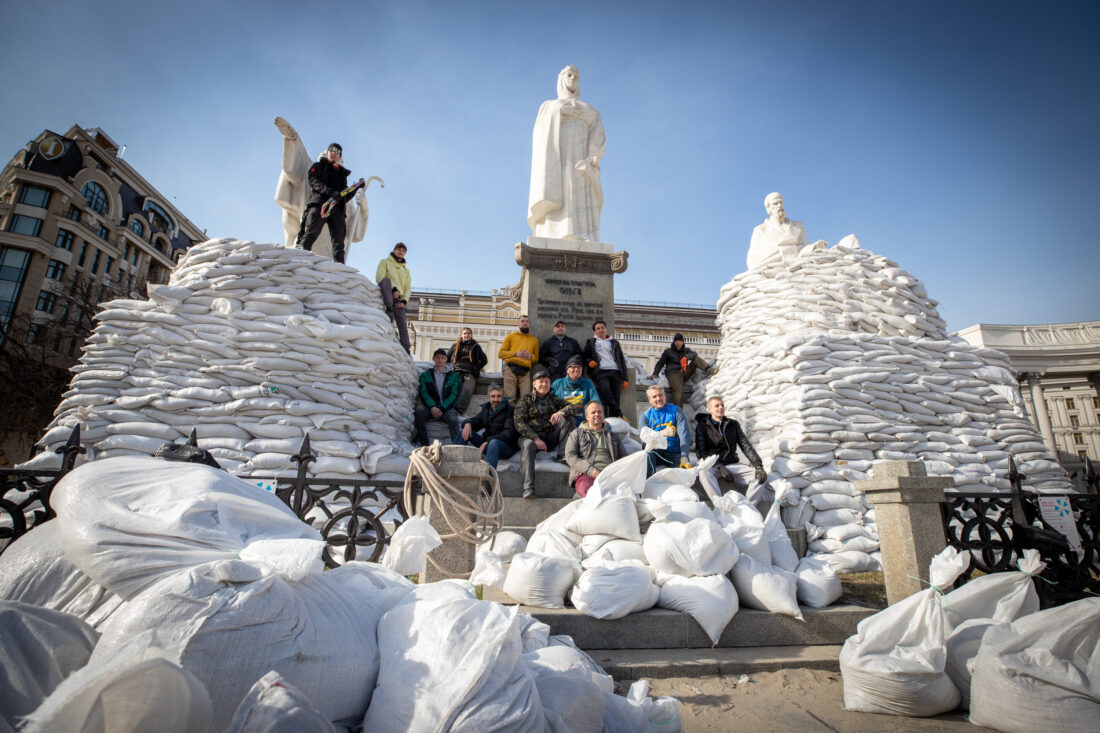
(683, 363)
(625, 384)
(593, 364)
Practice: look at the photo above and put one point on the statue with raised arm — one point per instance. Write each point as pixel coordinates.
(567, 144)
(293, 190)
(777, 237)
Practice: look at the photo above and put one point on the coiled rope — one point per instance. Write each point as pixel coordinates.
(470, 519)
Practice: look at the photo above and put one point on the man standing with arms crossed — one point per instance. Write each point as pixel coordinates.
(520, 351)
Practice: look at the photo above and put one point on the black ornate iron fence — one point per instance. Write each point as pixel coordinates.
(996, 529)
(356, 517)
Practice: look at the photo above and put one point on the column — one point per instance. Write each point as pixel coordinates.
(462, 467)
(1042, 417)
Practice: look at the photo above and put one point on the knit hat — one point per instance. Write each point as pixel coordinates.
(678, 337)
(574, 360)
(540, 372)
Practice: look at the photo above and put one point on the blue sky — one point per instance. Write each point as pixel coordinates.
(960, 139)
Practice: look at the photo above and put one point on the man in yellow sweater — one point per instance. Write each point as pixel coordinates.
(519, 351)
(394, 280)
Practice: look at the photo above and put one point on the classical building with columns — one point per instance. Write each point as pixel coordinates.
(1058, 366)
(643, 329)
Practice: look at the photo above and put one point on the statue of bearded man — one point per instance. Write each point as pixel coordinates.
(567, 144)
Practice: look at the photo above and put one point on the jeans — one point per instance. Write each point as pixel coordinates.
(658, 459)
(422, 415)
(466, 391)
(609, 385)
(497, 451)
(398, 313)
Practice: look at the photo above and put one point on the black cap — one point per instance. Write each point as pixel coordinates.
(678, 337)
(437, 352)
(337, 146)
(574, 360)
(539, 373)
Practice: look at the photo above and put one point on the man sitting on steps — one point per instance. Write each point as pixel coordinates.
(543, 421)
(590, 449)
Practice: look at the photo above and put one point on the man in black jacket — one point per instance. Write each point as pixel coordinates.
(607, 365)
(327, 178)
(492, 428)
(716, 434)
(468, 359)
(679, 364)
(556, 351)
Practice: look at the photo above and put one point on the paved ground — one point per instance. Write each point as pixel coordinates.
(801, 700)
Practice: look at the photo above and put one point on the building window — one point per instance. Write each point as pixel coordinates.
(55, 270)
(103, 233)
(1078, 439)
(1070, 404)
(73, 213)
(28, 225)
(137, 227)
(64, 240)
(83, 253)
(158, 217)
(95, 197)
(34, 333)
(1074, 421)
(95, 262)
(13, 270)
(35, 196)
(46, 302)
(107, 267)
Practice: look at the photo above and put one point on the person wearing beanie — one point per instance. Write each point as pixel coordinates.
(327, 178)
(679, 364)
(395, 282)
(575, 389)
(438, 393)
(543, 421)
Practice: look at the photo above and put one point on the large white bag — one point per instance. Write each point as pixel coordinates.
(505, 545)
(779, 542)
(38, 649)
(626, 476)
(1040, 672)
(710, 600)
(488, 570)
(537, 580)
(818, 584)
(571, 688)
(766, 587)
(128, 522)
(613, 590)
(273, 705)
(698, 547)
(34, 570)
(613, 514)
(744, 524)
(232, 622)
(138, 687)
(452, 663)
(615, 550)
(895, 662)
(410, 544)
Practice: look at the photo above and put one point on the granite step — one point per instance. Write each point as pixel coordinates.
(636, 664)
(529, 512)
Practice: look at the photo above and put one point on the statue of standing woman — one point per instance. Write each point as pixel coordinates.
(567, 144)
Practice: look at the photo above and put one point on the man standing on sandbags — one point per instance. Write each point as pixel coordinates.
(544, 422)
(716, 434)
(520, 351)
(607, 365)
(468, 359)
(669, 421)
(591, 448)
(395, 282)
(327, 178)
(679, 364)
(438, 393)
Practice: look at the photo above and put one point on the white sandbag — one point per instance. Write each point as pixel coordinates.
(685, 511)
(894, 663)
(571, 687)
(232, 622)
(740, 519)
(593, 542)
(452, 664)
(833, 517)
(824, 502)
(38, 649)
(627, 475)
(488, 570)
(623, 716)
(766, 587)
(138, 687)
(410, 544)
(663, 713)
(662, 480)
(850, 561)
(615, 551)
(537, 580)
(779, 542)
(127, 522)
(1040, 672)
(671, 493)
(505, 544)
(818, 584)
(554, 543)
(698, 547)
(273, 705)
(611, 514)
(613, 590)
(34, 570)
(711, 600)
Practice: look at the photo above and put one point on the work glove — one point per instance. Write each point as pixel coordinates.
(761, 474)
(685, 464)
(725, 473)
(683, 363)
(669, 432)
(593, 364)
(625, 384)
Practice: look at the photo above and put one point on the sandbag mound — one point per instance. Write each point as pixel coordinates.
(253, 345)
(840, 359)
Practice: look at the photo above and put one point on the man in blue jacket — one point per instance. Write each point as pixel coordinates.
(575, 389)
(438, 394)
(492, 428)
(668, 420)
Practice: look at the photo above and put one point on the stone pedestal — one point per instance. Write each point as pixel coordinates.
(463, 468)
(910, 523)
(568, 280)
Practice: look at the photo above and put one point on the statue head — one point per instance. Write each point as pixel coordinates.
(569, 83)
(773, 204)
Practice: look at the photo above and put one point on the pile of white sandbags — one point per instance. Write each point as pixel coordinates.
(225, 620)
(839, 360)
(254, 345)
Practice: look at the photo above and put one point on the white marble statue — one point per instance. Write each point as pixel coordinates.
(290, 195)
(777, 237)
(567, 144)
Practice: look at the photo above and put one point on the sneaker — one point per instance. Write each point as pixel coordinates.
(528, 493)
(711, 371)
